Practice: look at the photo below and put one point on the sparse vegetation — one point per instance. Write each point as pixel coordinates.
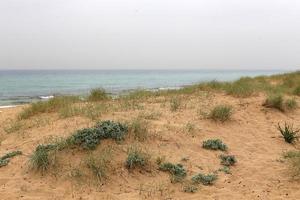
(4, 160)
(13, 126)
(174, 104)
(176, 170)
(274, 101)
(291, 104)
(214, 144)
(228, 160)
(99, 163)
(42, 157)
(296, 91)
(97, 94)
(208, 179)
(138, 129)
(288, 133)
(136, 158)
(294, 162)
(52, 105)
(221, 113)
(190, 188)
(240, 88)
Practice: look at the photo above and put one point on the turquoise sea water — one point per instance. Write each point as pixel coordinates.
(23, 86)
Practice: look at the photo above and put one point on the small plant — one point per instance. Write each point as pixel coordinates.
(297, 91)
(214, 144)
(274, 101)
(99, 164)
(225, 169)
(97, 94)
(13, 126)
(177, 171)
(190, 188)
(208, 179)
(40, 160)
(174, 104)
(136, 158)
(221, 113)
(290, 104)
(110, 129)
(294, 162)
(4, 160)
(288, 133)
(87, 138)
(138, 129)
(228, 160)
(240, 88)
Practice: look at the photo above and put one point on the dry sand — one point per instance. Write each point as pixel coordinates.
(251, 136)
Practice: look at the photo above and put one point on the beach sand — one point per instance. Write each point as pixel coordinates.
(251, 135)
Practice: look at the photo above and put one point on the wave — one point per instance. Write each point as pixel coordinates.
(46, 97)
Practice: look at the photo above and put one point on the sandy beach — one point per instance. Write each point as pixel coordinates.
(251, 135)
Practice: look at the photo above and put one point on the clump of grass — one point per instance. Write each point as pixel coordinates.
(174, 104)
(296, 91)
(240, 88)
(4, 160)
(221, 113)
(13, 126)
(176, 170)
(288, 133)
(225, 169)
(42, 157)
(228, 160)
(214, 144)
(208, 179)
(97, 94)
(274, 101)
(99, 164)
(290, 104)
(136, 158)
(138, 129)
(52, 105)
(294, 161)
(190, 188)
(150, 116)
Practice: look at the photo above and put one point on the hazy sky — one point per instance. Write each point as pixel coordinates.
(170, 34)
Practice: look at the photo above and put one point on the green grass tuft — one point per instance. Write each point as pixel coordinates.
(136, 158)
(4, 160)
(288, 133)
(97, 94)
(220, 113)
(228, 160)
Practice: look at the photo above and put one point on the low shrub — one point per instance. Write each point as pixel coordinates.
(136, 158)
(97, 94)
(111, 129)
(221, 113)
(288, 133)
(208, 179)
(176, 170)
(4, 160)
(228, 160)
(190, 188)
(214, 144)
(87, 138)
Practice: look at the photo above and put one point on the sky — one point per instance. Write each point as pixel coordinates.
(150, 34)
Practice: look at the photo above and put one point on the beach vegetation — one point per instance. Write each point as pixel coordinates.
(137, 158)
(177, 171)
(4, 160)
(221, 113)
(291, 104)
(240, 88)
(293, 158)
(214, 144)
(289, 134)
(174, 104)
(274, 101)
(97, 94)
(138, 129)
(228, 160)
(205, 179)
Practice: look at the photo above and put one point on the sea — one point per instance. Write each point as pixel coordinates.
(25, 86)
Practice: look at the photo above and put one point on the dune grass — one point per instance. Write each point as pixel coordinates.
(137, 158)
(289, 134)
(221, 113)
(294, 162)
(97, 94)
